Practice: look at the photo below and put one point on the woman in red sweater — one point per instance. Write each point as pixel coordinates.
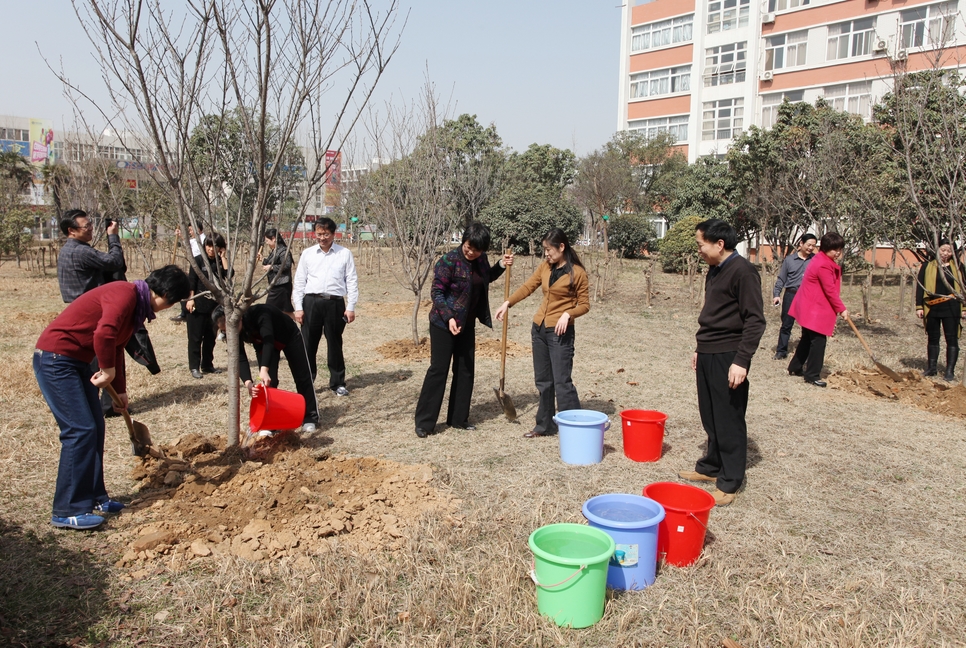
(98, 323)
(815, 307)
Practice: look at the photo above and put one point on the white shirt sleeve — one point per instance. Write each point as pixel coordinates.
(351, 282)
(298, 284)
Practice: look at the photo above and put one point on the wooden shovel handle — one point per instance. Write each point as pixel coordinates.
(118, 404)
(506, 321)
(861, 339)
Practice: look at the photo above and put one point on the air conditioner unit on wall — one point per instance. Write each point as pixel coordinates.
(767, 18)
(767, 75)
(901, 55)
(880, 46)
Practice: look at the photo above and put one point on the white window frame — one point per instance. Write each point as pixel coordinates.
(722, 119)
(785, 5)
(664, 33)
(855, 98)
(928, 26)
(676, 125)
(771, 102)
(850, 39)
(725, 64)
(725, 15)
(786, 50)
(657, 83)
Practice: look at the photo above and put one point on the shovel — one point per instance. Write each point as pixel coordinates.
(141, 444)
(881, 367)
(501, 396)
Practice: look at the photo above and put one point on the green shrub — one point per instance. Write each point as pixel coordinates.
(630, 234)
(678, 243)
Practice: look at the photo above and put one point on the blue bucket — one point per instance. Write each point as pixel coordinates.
(632, 521)
(581, 436)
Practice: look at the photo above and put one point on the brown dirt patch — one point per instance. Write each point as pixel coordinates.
(932, 396)
(286, 505)
(395, 309)
(485, 348)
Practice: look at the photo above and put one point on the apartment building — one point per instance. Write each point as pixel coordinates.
(705, 70)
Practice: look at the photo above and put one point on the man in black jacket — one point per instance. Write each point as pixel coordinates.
(730, 327)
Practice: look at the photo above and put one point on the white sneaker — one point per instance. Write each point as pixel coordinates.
(308, 428)
(341, 391)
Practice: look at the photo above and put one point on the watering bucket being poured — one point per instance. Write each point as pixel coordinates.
(275, 409)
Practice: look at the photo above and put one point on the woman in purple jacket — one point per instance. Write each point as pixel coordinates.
(815, 307)
(460, 282)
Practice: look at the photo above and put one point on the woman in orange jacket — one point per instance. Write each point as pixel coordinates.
(565, 297)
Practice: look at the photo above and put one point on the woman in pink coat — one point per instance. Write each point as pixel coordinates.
(815, 307)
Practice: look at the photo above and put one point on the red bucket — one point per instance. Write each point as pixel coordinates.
(275, 409)
(643, 434)
(680, 535)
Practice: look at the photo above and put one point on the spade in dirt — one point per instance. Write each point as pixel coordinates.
(506, 403)
(881, 367)
(141, 444)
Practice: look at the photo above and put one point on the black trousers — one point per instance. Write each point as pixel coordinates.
(723, 417)
(950, 329)
(809, 356)
(280, 296)
(785, 333)
(298, 363)
(461, 349)
(553, 364)
(201, 340)
(324, 317)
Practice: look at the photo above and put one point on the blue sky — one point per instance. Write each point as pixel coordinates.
(543, 72)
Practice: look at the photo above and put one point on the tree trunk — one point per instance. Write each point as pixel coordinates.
(902, 293)
(867, 295)
(231, 340)
(648, 272)
(419, 299)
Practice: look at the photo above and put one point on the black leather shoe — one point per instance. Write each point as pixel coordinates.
(781, 356)
(817, 383)
(421, 433)
(795, 373)
(532, 434)
(195, 373)
(177, 318)
(210, 370)
(464, 427)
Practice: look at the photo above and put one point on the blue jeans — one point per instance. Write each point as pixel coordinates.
(66, 386)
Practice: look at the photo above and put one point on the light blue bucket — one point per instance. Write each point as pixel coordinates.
(581, 436)
(632, 521)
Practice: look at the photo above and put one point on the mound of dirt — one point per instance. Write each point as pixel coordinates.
(485, 348)
(933, 396)
(286, 505)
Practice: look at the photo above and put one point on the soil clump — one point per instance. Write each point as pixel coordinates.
(277, 501)
(933, 396)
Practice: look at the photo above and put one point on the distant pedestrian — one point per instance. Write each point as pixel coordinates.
(815, 306)
(324, 296)
(566, 296)
(461, 280)
(937, 306)
(730, 327)
(789, 279)
(278, 265)
(97, 324)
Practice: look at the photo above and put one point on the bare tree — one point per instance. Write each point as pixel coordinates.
(304, 67)
(408, 192)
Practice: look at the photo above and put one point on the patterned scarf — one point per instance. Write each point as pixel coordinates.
(142, 310)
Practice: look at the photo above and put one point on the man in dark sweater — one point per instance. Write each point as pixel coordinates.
(729, 328)
(789, 279)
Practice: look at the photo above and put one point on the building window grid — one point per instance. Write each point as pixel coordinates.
(663, 33)
(771, 102)
(786, 50)
(849, 39)
(677, 127)
(722, 119)
(724, 15)
(725, 64)
(661, 82)
(855, 98)
(937, 23)
(16, 134)
(783, 5)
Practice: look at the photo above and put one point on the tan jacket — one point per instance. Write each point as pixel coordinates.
(557, 299)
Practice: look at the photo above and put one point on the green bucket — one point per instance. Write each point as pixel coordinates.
(570, 571)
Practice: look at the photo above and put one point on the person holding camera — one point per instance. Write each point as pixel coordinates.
(80, 267)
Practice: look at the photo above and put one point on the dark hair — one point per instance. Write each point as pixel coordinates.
(216, 315)
(945, 241)
(557, 237)
(832, 241)
(326, 223)
(478, 236)
(715, 229)
(271, 233)
(217, 240)
(807, 236)
(69, 221)
(169, 282)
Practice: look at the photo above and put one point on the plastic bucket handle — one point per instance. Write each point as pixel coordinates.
(533, 576)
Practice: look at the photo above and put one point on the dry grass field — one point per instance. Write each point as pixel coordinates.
(849, 532)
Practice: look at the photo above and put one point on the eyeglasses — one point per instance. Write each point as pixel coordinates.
(89, 226)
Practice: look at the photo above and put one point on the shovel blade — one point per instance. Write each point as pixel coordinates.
(506, 403)
(889, 372)
(140, 438)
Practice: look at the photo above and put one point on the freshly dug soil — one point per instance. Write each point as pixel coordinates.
(934, 396)
(275, 501)
(485, 348)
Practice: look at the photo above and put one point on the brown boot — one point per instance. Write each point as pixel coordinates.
(693, 475)
(722, 498)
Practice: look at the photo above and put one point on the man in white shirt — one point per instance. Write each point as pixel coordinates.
(195, 251)
(324, 295)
